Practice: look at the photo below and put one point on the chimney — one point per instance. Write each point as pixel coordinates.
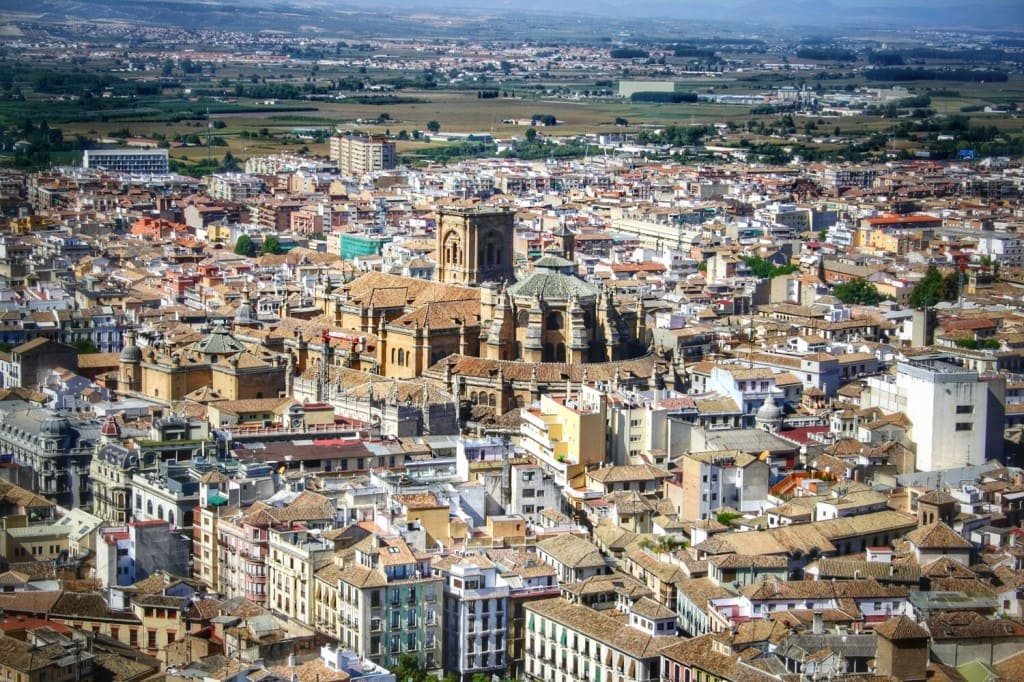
(818, 623)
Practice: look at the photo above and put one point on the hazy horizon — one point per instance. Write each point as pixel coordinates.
(647, 18)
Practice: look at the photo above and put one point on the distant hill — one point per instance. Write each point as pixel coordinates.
(474, 17)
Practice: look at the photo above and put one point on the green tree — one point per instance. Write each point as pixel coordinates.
(85, 347)
(857, 291)
(821, 269)
(951, 286)
(433, 126)
(409, 670)
(725, 518)
(245, 246)
(619, 121)
(271, 244)
(531, 134)
(928, 291)
(760, 267)
(229, 163)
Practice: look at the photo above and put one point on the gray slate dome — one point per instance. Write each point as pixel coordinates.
(55, 427)
(131, 353)
(219, 342)
(552, 280)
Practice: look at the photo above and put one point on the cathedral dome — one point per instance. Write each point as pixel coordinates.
(552, 280)
(55, 427)
(131, 353)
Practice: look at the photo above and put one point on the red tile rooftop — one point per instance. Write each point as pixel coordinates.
(24, 623)
(802, 434)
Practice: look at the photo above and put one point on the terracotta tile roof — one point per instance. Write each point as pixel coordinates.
(85, 605)
(572, 551)
(971, 625)
(547, 372)
(601, 627)
(648, 608)
(30, 602)
(628, 472)
(399, 291)
(361, 576)
(937, 536)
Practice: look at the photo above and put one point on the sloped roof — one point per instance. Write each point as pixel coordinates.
(573, 551)
(937, 536)
(219, 342)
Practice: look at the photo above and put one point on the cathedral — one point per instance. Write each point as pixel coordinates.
(217, 360)
(547, 324)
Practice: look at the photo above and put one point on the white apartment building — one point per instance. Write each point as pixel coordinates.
(137, 161)
(234, 186)
(956, 414)
(475, 619)
(712, 480)
(532, 490)
(1005, 249)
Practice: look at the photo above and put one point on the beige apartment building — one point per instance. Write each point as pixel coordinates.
(357, 154)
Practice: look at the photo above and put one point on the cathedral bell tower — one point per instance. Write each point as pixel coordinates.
(475, 245)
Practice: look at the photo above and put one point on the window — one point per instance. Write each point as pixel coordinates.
(965, 409)
(151, 639)
(964, 426)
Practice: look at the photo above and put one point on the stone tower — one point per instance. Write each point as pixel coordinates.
(474, 245)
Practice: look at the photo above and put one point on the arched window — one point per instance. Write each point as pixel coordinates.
(473, 397)
(149, 507)
(489, 254)
(554, 320)
(170, 516)
(394, 354)
(493, 400)
(520, 403)
(548, 354)
(159, 511)
(560, 353)
(401, 356)
(523, 318)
